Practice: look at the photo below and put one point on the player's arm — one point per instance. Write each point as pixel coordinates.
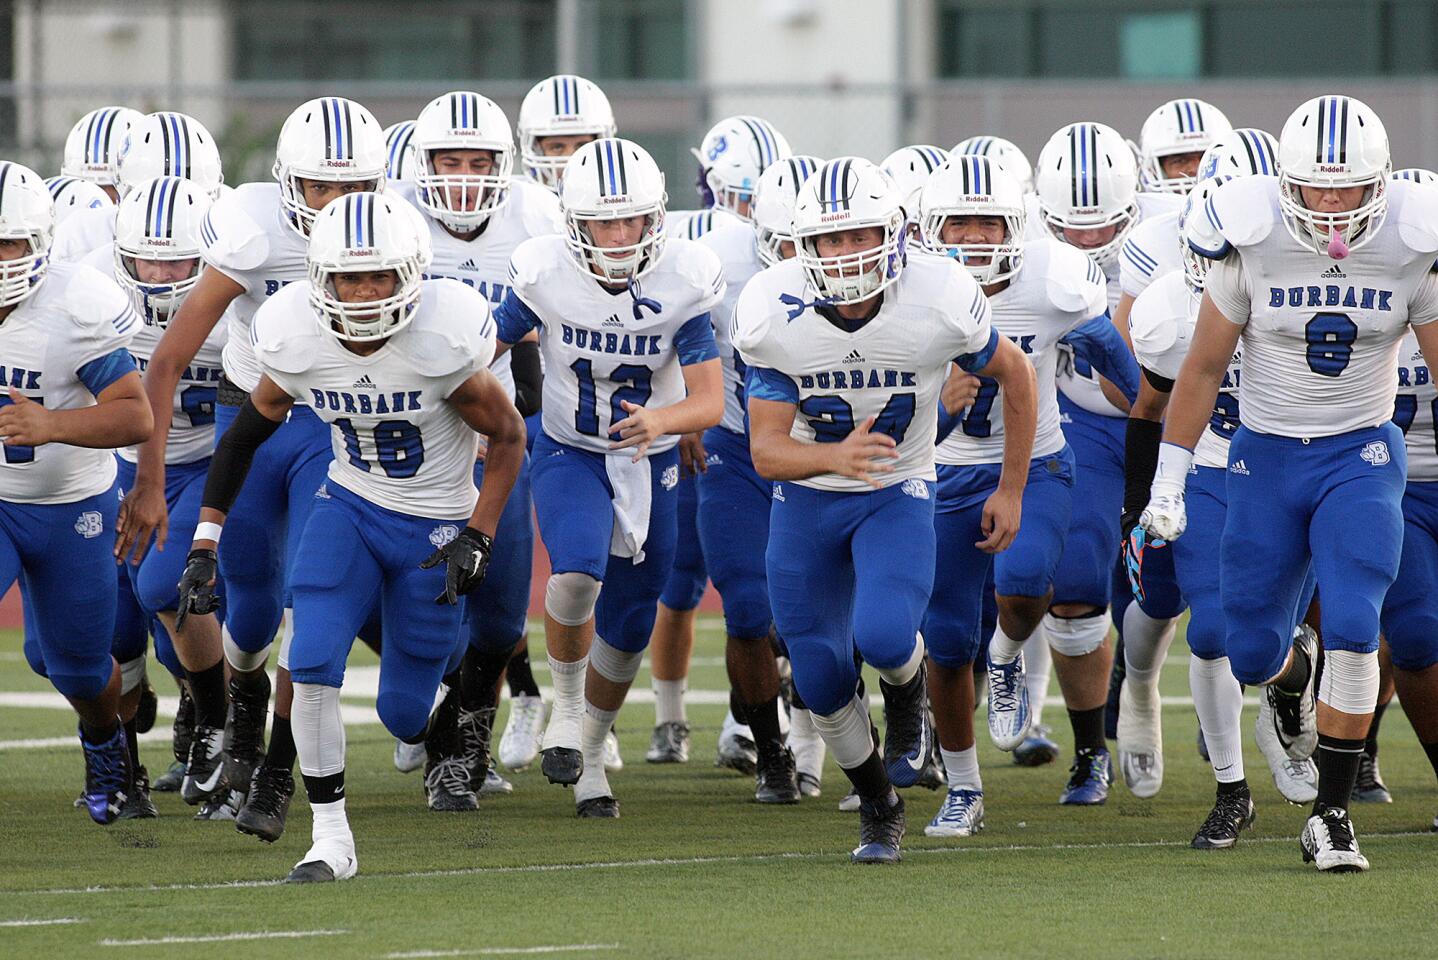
(515, 322)
(1143, 435)
(773, 401)
(1422, 311)
(482, 403)
(701, 408)
(528, 375)
(119, 417)
(1018, 387)
(1109, 353)
(1120, 319)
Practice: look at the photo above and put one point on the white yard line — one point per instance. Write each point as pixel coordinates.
(226, 937)
(502, 951)
(57, 921)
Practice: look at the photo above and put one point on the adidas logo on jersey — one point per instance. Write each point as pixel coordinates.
(1333, 273)
(854, 357)
(611, 322)
(1238, 467)
(363, 383)
(469, 265)
(779, 492)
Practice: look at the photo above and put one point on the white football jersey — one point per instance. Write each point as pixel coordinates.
(84, 232)
(396, 442)
(1415, 411)
(483, 263)
(602, 346)
(1077, 378)
(1320, 336)
(1162, 324)
(737, 247)
(54, 347)
(693, 224)
(1150, 251)
(1056, 290)
(891, 368)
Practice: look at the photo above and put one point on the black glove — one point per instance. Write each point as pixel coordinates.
(197, 585)
(466, 558)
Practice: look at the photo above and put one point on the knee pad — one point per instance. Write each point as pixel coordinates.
(684, 588)
(245, 661)
(319, 731)
(847, 733)
(746, 610)
(1257, 656)
(404, 715)
(570, 597)
(1350, 681)
(900, 674)
(1076, 636)
(616, 666)
(132, 674)
(1415, 649)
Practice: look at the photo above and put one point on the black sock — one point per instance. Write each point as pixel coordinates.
(1337, 761)
(326, 789)
(1294, 680)
(98, 735)
(281, 753)
(479, 672)
(1432, 750)
(736, 707)
(871, 780)
(1370, 746)
(520, 676)
(441, 736)
(1239, 786)
(764, 722)
(132, 740)
(207, 689)
(1088, 729)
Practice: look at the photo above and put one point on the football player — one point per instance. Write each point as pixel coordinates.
(73, 396)
(1009, 156)
(399, 150)
(1172, 141)
(624, 328)
(1319, 274)
(847, 348)
(910, 168)
(394, 365)
(93, 147)
(559, 115)
(72, 194)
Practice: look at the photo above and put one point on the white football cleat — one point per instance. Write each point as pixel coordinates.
(962, 815)
(736, 747)
(850, 803)
(409, 757)
(1296, 780)
(494, 784)
(1009, 716)
(1140, 739)
(613, 762)
(1329, 844)
(809, 750)
(522, 732)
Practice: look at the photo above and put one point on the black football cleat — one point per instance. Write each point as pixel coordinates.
(776, 782)
(561, 765)
(597, 808)
(268, 804)
(881, 828)
(1232, 813)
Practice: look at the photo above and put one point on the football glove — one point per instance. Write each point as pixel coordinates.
(1165, 517)
(466, 558)
(1135, 545)
(197, 586)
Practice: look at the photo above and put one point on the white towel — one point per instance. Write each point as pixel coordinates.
(630, 482)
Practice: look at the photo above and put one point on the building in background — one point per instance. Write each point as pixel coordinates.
(837, 76)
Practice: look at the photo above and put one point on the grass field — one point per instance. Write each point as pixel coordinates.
(693, 869)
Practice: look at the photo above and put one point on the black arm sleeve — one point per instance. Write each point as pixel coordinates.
(528, 377)
(1140, 451)
(231, 461)
(1161, 384)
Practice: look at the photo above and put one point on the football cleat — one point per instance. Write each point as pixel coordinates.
(908, 736)
(1089, 778)
(475, 728)
(881, 829)
(809, 750)
(170, 780)
(736, 747)
(1370, 787)
(326, 861)
(776, 781)
(560, 758)
(138, 805)
(494, 784)
(1232, 813)
(597, 808)
(205, 771)
(809, 785)
(409, 757)
(268, 804)
(183, 729)
(962, 815)
(1296, 780)
(245, 728)
(223, 806)
(1008, 703)
(1140, 739)
(148, 707)
(107, 777)
(613, 762)
(1329, 844)
(1037, 749)
(669, 743)
(850, 803)
(447, 786)
(522, 732)
(1292, 719)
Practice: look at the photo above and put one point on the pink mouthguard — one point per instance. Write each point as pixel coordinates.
(1337, 249)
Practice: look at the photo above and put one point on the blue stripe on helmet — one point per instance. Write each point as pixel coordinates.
(1082, 171)
(1332, 129)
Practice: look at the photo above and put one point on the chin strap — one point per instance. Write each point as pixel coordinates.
(799, 304)
(641, 301)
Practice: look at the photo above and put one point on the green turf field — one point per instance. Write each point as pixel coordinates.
(693, 869)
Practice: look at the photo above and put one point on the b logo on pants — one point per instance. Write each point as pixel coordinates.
(90, 524)
(1375, 453)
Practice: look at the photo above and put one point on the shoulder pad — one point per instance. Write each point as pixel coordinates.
(230, 237)
(731, 241)
(1242, 212)
(759, 308)
(282, 343)
(699, 267)
(1417, 214)
(1159, 333)
(539, 208)
(1075, 284)
(453, 331)
(94, 299)
(1157, 204)
(532, 259)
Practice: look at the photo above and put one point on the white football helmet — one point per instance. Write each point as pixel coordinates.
(1334, 142)
(974, 186)
(169, 144)
(909, 168)
(92, 148)
(1179, 126)
(329, 138)
(399, 162)
(731, 157)
(462, 121)
(1195, 209)
(774, 200)
(1087, 180)
(361, 232)
(613, 179)
(846, 194)
(560, 106)
(1010, 157)
(26, 213)
(1241, 152)
(1416, 175)
(159, 220)
(72, 193)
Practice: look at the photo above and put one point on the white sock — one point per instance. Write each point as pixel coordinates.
(1145, 645)
(568, 680)
(1037, 664)
(319, 730)
(669, 700)
(1218, 698)
(593, 782)
(1002, 648)
(904, 672)
(330, 823)
(962, 767)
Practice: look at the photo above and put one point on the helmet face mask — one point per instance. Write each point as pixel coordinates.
(975, 187)
(366, 234)
(465, 157)
(1328, 145)
(555, 113)
(328, 140)
(1088, 184)
(610, 182)
(1195, 265)
(27, 215)
(840, 203)
(773, 208)
(156, 229)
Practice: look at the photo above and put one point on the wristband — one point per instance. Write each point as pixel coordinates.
(208, 530)
(1171, 474)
